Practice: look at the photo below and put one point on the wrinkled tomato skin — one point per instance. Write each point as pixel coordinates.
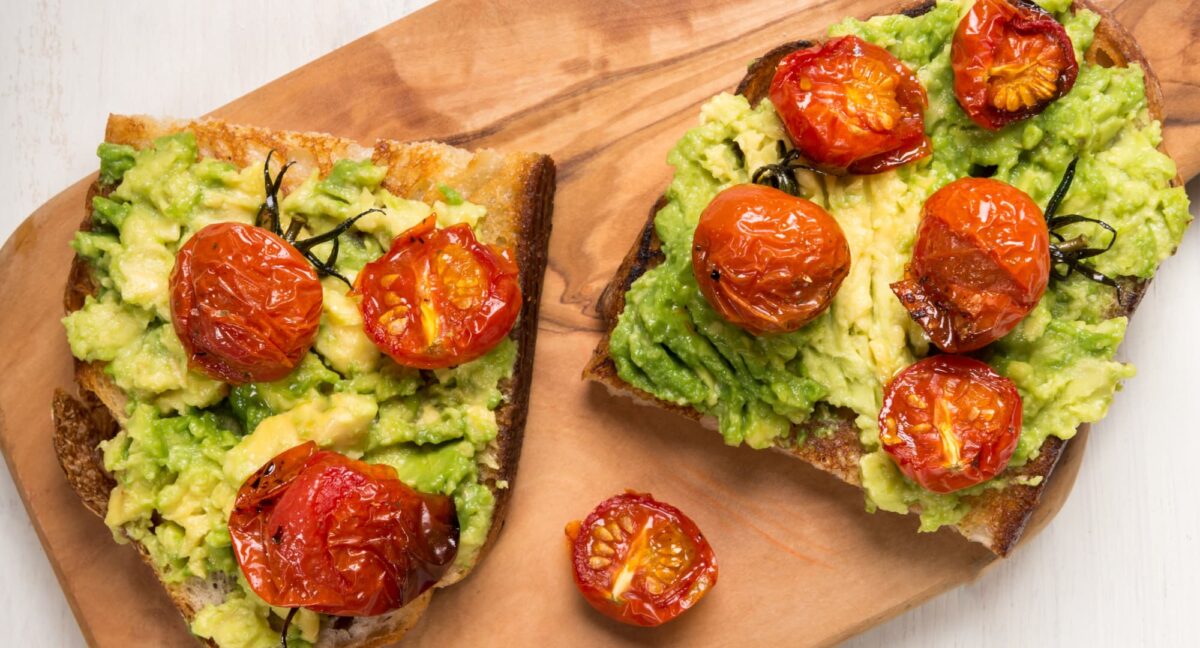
(443, 281)
(950, 422)
(245, 304)
(999, 35)
(850, 106)
(980, 263)
(670, 565)
(768, 261)
(318, 530)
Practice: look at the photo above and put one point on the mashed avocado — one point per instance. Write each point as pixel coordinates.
(671, 343)
(188, 442)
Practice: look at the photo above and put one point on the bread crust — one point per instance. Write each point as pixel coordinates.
(518, 191)
(998, 517)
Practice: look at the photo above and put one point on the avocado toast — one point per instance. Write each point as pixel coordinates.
(820, 404)
(164, 477)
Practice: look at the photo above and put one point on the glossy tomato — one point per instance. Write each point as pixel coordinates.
(1011, 59)
(245, 303)
(768, 261)
(980, 263)
(439, 297)
(316, 529)
(950, 422)
(641, 561)
(851, 106)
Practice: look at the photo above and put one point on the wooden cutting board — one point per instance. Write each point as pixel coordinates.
(605, 88)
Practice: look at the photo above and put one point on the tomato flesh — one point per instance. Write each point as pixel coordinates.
(950, 422)
(318, 530)
(439, 297)
(768, 261)
(245, 303)
(640, 561)
(1011, 59)
(851, 106)
(980, 263)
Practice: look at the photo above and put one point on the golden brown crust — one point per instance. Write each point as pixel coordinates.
(998, 517)
(516, 188)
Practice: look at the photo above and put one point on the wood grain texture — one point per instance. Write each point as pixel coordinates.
(606, 89)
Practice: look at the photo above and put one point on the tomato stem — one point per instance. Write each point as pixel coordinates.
(782, 175)
(270, 206)
(1070, 253)
(287, 621)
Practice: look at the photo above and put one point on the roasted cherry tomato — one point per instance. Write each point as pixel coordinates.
(768, 261)
(641, 561)
(439, 297)
(950, 422)
(980, 263)
(315, 529)
(1011, 59)
(245, 303)
(851, 106)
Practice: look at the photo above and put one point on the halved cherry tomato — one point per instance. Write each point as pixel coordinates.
(641, 561)
(245, 303)
(315, 529)
(768, 261)
(950, 422)
(1011, 59)
(851, 106)
(439, 297)
(980, 263)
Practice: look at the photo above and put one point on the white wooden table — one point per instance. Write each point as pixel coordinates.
(1119, 566)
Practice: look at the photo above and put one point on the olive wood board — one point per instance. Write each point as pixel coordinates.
(606, 89)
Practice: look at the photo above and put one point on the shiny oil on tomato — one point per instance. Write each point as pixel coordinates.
(768, 261)
(245, 303)
(849, 105)
(318, 530)
(641, 561)
(950, 422)
(980, 263)
(439, 297)
(1011, 59)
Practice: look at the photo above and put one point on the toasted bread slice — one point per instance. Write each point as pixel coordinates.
(516, 188)
(998, 517)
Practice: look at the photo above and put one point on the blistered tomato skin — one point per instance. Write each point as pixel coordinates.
(318, 530)
(980, 263)
(768, 261)
(850, 106)
(1011, 59)
(950, 422)
(439, 297)
(640, 561)
(245, 304)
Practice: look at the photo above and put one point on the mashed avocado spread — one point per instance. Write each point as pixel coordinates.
(188, 442)
(671, 343)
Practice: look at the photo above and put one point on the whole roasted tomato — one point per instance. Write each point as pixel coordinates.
(244, 302)
(768, 261)
(439, 297)
(950, 422)
(318, 530)
(641, 561)
(1011, 59)
(980, 263)
(851, 106)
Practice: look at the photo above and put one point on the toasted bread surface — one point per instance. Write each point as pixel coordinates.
(998, 517)
(516, 188)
